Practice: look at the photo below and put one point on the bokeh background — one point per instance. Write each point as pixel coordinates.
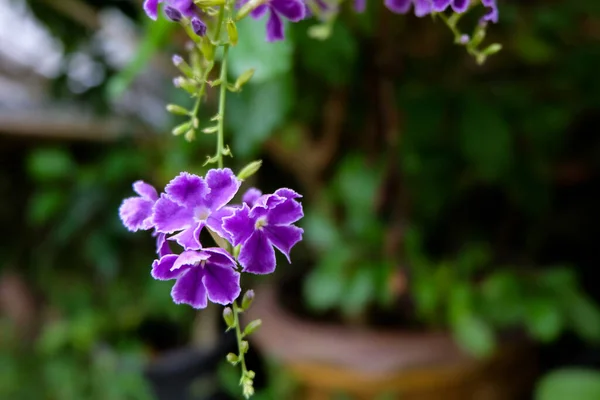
(504, 155)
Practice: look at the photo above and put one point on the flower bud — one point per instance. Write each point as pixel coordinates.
(190, 135)
(187, 85)
(178, 110)
(251, 374)
(244, 347)
(249, 170)
(247, 299)
(232, 32)
(181, 129)
(228, 317)
(207, 49)
(183, 66)
(209, 3)
(232, 358)
(252, 327)
(199, 27)
(173, 14)
(464, 39)
(492, 49)
(244, 78)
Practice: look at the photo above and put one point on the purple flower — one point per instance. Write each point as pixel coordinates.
(136, 212)
(190, 203)
(425, 7)
(266, 225)
(492, 14)
(359, 5)
(209, 273)
(185, 7)
(422, 7)
(251, 195)
(294, 10)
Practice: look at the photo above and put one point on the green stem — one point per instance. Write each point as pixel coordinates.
(222, 95)
(238, 333)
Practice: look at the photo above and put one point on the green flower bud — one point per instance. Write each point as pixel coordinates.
(244, 347)
(190, 135)
(207, 49)
(492, 49)
(181, 129)
(249, 170)
(247, 299)
(209, 3)
(178, 110)
(252, 327)
(232, 32)
(243, 79)
(232, 358)
(228, 317)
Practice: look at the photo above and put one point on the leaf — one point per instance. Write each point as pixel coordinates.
(324, 286)
(45, 205)
(474, 335)
(360, 291)
(257, 111)
(485, 140)
(320, 230)
(269, 60)
(543, 318)
(569, 383)
(584, 317)
(50, 164)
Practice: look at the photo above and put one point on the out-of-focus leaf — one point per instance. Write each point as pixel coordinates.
(584, 317)
(474, 335)
(44, 206)
(324, 287)
(257, 111)
(543, 318)
(319, 230)
(360, 291)
(269, 60)
(50, 164)
(569, 383)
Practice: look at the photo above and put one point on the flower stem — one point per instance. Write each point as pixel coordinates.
(238, 333)
(222, 95)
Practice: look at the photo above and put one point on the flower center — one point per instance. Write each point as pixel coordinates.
(262, 221)
(201, 214)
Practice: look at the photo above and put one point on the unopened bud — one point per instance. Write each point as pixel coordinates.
(252, 327)
(232, 358)
(173, 14)
(209, 3)
(181, 129)
(183, 66)
(199, 27)
(249, 170)
(244, 78)
(251, 374)
(228, 317)
(247, 299)
(185, 84)
(177, 60)
(207, 49)
(175, 109)
(190, 135)
(464, 39)
(244, 347)
(232, 32)
(492, 49)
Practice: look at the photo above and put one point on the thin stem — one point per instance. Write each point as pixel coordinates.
(222, 95)
(238, 333)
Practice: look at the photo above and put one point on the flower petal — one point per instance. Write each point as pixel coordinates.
(220, 257)
(189, 238)
(151, 8)
(162, 245)
(189, 289)
(136, 213)
(440, 5)
(492, 14)
(287, 193)
(162, 269)
(283, 237)
(145, 190)
(170, 217)
(460, 6)
(285, 213)
(190, 258)
(274, 27)
(256, 255)
(424, 7)
(222, 283)
(251, 195)
(294, 10)
(239, 226)
(187, 190)
(398, 6)
(186, 7)
(223, 185)
(359, 5)
(215, 221)
(259, 11)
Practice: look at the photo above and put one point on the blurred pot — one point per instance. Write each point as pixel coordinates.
(327, 360)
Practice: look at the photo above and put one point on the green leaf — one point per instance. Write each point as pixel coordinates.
(269, 60)
(360, 291)
(473, 335)
(571, 383)
(44, 205)
(485, 140)
(330, 59)
(50, 164)
(543, 318)
(320, 230)
(324, 287)
(584, 317)
(257, 111)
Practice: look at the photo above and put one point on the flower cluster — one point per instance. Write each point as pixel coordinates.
(191, 204)
(427, 7)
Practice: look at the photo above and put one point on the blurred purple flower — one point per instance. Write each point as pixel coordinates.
(209, 273)
(136, 212)
(250, 196)
(185, 7)
(190, 203)
(266, 225)
(426, 7)
(492, 14)
(294, 10)
(360, 5)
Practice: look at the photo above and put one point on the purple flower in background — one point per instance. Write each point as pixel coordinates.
(209, 273)
(294, 10)
(251, 195)
(422, 7)
(266, 225)
(492, 14)
(136, 212)
(184, 7)
(190, 203)
(359, 5)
